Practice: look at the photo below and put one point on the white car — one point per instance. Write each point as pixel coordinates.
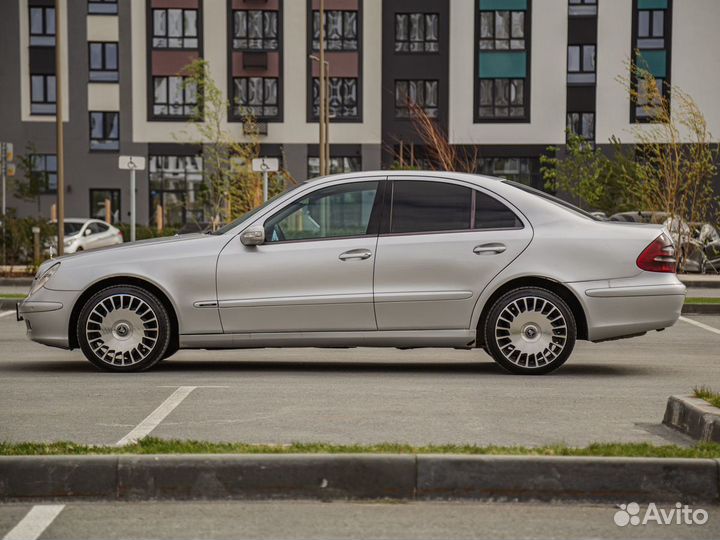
(82, 234)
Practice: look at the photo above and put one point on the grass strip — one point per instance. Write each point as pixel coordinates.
(699, 300)
(706, 393)
(12, 296)
(152, 445)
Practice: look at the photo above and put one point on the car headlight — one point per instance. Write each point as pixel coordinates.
(40, 281)
(68, 241)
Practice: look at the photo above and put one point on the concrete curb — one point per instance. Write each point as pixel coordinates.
(8, 305)
(694, 417)
(707, 282)
(701, 309)
(358, 476)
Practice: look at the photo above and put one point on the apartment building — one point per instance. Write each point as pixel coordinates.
(503, 78)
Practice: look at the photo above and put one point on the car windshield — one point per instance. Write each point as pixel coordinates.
(72, 228)
(250, 213)
(552, 199)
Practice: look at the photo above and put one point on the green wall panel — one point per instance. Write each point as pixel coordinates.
(654, 61)
(652, 4)
(495, 65)
(491, 5)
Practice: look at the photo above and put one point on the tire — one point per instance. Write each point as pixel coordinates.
(172, 348)
(110, 324)
(525, 334)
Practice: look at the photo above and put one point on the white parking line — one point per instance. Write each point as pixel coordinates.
(6, 313)
(35, 522)
(701, 325)
(158, 415)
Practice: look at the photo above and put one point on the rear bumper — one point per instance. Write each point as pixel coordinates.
(618, 308)
(47, 316)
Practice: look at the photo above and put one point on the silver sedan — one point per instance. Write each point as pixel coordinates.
(383, 259)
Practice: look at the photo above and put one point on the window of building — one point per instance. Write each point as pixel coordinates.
(42, 94)
(42, 26)
(582, 124)
(422, 93)
(175, 28)
(97, 204)
(582, 8)
(420, 206)
(257, 96)
(175, 186)
(255, 30)
(341, 30)
(105, 131)
(103, 62)
(502, 30)
(343, 97)
(338, 165)
(649, 99)
(492, 214)
(102, 7)
(525, 170)
(651, 29)
(334, 212)
(174, 96)
(417, 32)
(581, 64)
(44, 171)
(502, 98)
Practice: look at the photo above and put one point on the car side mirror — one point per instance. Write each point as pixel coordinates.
(253, 236)
(88, 232)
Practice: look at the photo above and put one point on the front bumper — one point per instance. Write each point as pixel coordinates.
(619, 308)
(47, 316)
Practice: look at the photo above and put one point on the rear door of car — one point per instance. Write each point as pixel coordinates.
(441, 243)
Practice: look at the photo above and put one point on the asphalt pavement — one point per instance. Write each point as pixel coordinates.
(613, 391)
(337, 520)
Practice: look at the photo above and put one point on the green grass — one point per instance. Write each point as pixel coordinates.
(706, 393)
(12, 296)
(698, 300)
(151, 445)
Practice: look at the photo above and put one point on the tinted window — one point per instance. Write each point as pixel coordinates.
(100, 227)
(429, 206)
(333, 212)
(492, 214)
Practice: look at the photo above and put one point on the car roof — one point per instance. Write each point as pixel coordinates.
(479, 179)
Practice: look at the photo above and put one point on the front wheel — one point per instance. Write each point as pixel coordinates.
(123, 328)
(530, 331)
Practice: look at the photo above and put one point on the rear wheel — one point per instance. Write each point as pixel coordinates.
(123, 328)
(530, 331)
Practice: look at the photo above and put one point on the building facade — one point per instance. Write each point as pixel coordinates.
(503, 78)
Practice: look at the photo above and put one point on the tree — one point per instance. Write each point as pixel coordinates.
(587, 173)
(230, 188)
(33, 183)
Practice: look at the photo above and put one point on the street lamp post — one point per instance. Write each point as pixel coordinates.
(324, 117)
(323, 90)
(59, 150)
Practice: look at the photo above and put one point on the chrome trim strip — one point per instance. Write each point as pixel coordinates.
(643, 290)
(299, 300)
(420, 296)
(205, 303)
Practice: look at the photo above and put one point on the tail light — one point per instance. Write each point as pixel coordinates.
(121, 235)
(659, 256)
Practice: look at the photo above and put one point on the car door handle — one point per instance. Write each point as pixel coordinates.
(355, 254)
(489, 248)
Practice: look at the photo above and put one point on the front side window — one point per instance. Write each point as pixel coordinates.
(417, 32)
(334, 212)
(44, 171)
(42, 26)
(175, 29)
(174, 96)
(341, 30)
(42, 94)
(103, 62)
(502, 98)
(423, 94)
(343, 97)
(420, 206)
(255, 30)
(502, 30)
(105, 131)
(257, 96)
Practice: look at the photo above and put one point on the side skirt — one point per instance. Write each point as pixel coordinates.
(463, 338)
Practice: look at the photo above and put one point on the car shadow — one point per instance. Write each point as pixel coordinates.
(179, 366)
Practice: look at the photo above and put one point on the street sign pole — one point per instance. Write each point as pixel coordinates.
(132, 163)
(60, 150)
(3, 165)
(265, 165)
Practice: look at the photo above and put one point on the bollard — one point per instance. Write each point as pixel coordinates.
(36, 245)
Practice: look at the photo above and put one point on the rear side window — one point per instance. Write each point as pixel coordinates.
(492, 214)
(429, 206)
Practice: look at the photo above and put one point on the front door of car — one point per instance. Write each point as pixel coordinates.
(442, 243)
(314, 271)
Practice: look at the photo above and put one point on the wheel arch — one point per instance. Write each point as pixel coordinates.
(123, 280)
(536, 281)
